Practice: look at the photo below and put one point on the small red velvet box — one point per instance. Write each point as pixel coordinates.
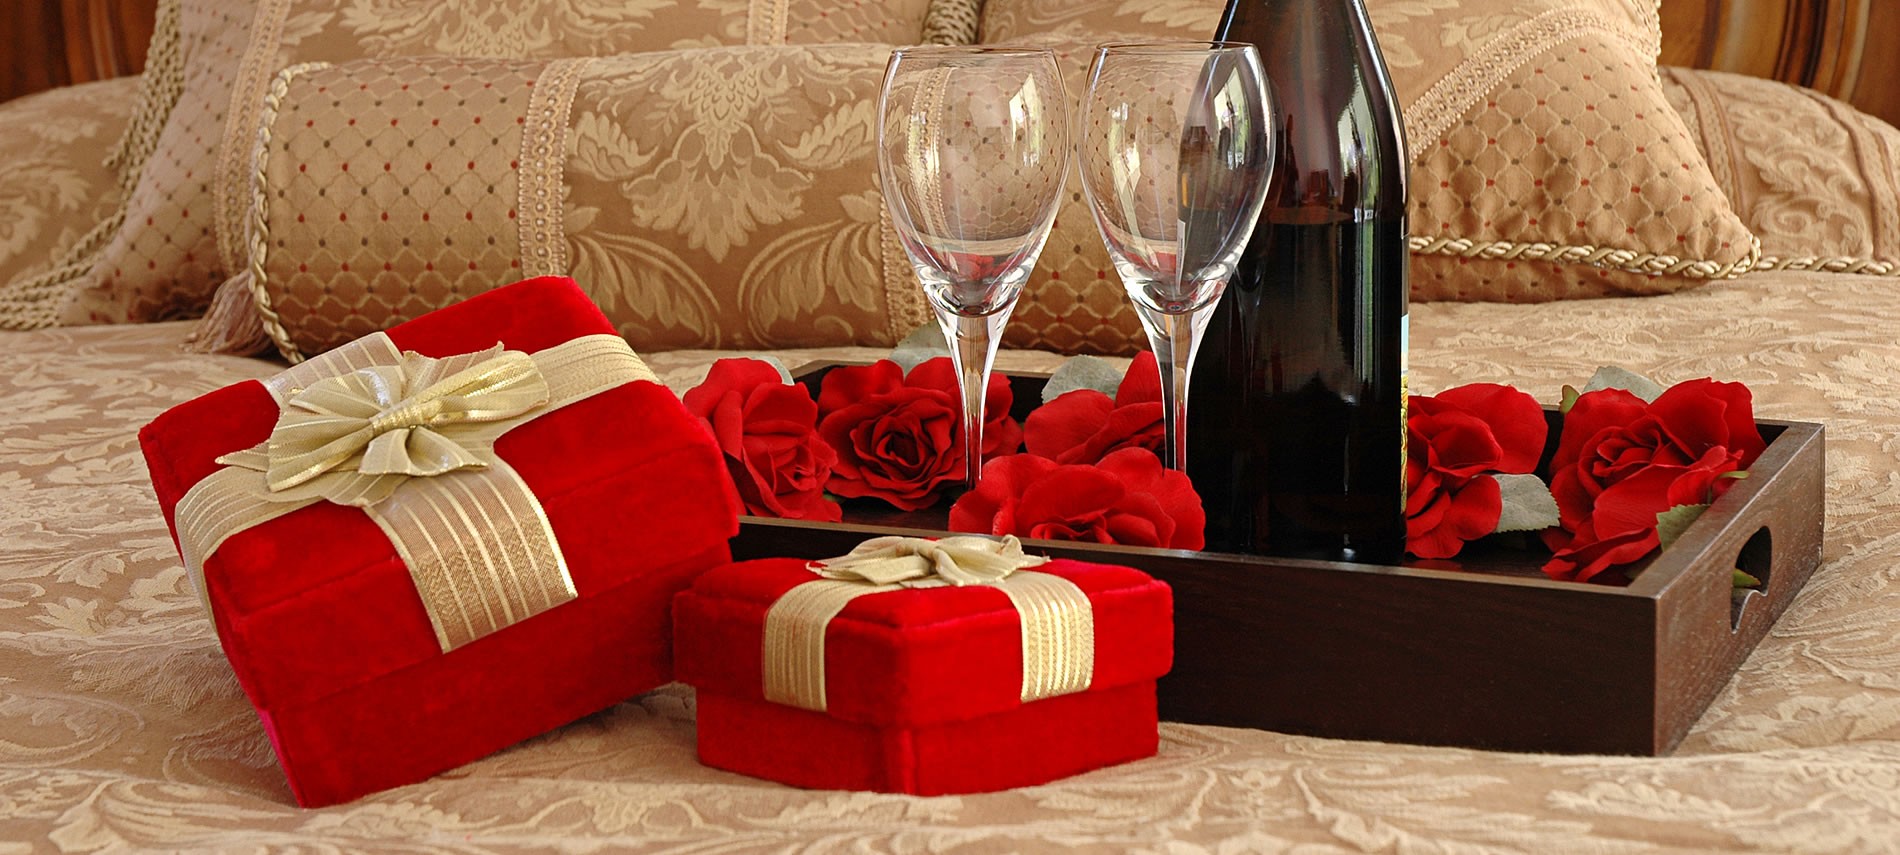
(923, 686)
(321, 620)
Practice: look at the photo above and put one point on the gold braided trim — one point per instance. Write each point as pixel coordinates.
(951, 22)
(257, 231)
(232, 177)
(1433, 113)
(160, 87)
(766, 22)
(904, 304)
(1627, 260)
(539, 227)
(1829, 264)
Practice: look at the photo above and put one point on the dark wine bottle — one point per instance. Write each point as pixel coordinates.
(1297, 426)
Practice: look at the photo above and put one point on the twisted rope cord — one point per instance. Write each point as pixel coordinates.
(1830, 264)
(1628, 260)
(34, 302)
(951, 22)
(258, 225)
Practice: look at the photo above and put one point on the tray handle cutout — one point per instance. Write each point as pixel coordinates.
(1756, 558)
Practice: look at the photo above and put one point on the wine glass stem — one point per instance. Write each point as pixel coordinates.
(973, 343)
(1174, 339)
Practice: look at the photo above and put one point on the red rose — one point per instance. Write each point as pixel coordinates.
(1128, 498)
(1084, 425)
(1620, 462)
(900, 438)
(766, 429)
(1454, 441)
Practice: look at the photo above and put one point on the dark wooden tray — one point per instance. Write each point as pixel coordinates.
(1482, 652)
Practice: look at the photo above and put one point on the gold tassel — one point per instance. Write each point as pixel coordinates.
(232, 324)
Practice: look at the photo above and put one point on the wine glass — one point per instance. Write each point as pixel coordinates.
(1176, 148)
(972, 152)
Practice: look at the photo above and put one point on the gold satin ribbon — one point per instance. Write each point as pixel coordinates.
(1058, 622)
(410, 439)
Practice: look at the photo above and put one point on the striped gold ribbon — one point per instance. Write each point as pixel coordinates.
(477, 542)
(1058, 622)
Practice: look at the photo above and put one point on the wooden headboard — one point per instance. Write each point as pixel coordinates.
(1840, 47)
(52, 43)
(1835, 46)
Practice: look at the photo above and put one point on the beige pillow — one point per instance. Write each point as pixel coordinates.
(1547, 163)
(1818, 180)
(180, 233)
(53, 180)
(715, 197)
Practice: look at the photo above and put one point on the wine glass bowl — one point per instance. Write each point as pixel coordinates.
(972, 152)
(1176, 150)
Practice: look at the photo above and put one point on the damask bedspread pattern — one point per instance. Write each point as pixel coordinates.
(122, 728)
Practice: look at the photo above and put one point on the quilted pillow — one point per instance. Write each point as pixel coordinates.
(1546, 162)
(716, 197)
(180, 232)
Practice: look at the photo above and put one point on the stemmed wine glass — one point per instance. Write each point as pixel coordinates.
(1176, 148)
(972, 152)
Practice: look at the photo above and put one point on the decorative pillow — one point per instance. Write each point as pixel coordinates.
(1818, 180)
(53, 181)
(181, 228)
(716, 197)
(1546, 162)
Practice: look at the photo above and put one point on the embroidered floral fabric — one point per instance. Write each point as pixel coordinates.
(126, 730)
(716, 197)
(53, 180)
(182, 227)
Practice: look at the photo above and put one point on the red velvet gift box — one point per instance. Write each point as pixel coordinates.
(325, 623)
(923, 689)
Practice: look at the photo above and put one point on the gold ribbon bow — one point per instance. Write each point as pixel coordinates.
(411, 440)
(399, 419)
(960, 560)
(1058, 622)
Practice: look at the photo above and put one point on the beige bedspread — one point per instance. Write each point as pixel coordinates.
(122, 728)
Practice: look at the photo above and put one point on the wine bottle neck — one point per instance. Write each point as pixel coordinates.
(1341, 147)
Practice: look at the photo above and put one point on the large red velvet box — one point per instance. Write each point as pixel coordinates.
(923, 686)
(321, 619)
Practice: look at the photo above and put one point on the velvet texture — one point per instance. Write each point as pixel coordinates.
(322, 623)
(923, 687)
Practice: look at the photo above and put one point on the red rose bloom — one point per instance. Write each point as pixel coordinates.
(1453, 440)
(1129, 498)
(1084, 425)
(899, 438)
(1620, 462)
(766, 429)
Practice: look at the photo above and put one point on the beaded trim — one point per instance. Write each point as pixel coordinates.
(543, 240)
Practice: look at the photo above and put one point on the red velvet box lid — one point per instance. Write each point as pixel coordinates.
(921, 656)
(318, 600)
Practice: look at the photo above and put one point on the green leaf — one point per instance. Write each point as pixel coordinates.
(1609, 377)
(922, 345)
(1083, 372)
(1670, 524)
(784, 374)
(1741, 579)
(1570, 399)
(1528, 505)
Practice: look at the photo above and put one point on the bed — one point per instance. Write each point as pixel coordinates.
(122, 728)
